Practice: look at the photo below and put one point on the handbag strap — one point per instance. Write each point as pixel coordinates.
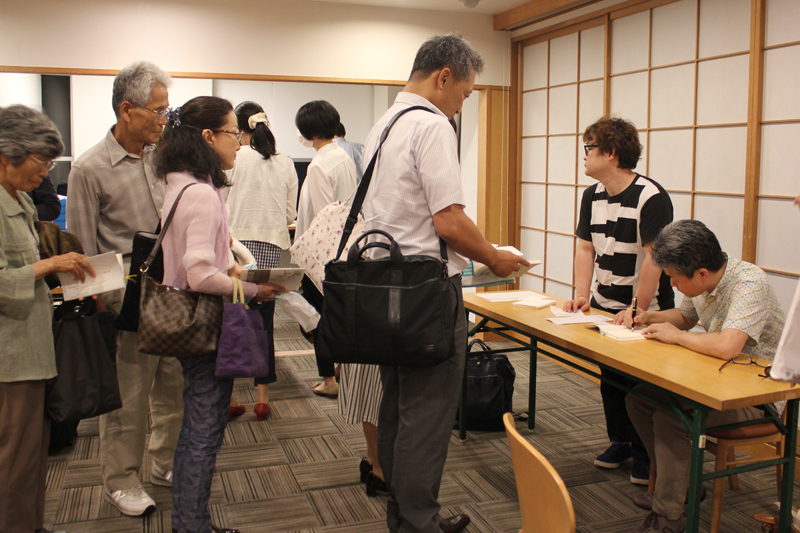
(361, 193)
(146, 265)
(238, 292)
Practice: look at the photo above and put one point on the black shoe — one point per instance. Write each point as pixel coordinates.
(454, 524)
(375, 485)
(365, 467)
(218, 529)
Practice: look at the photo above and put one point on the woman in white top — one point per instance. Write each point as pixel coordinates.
(331, 177)
(261, 203)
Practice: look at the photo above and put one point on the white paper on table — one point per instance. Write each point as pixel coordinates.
(619, 332)
(109, 277)
(558, 312)
(535, 301)
(504, 296)
(575, 319)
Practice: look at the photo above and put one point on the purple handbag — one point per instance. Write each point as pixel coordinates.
(243, 344)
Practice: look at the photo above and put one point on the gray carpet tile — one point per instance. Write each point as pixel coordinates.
(255, 484)
(326, 474)
(298, 470)
(346, 505)
(316, 449)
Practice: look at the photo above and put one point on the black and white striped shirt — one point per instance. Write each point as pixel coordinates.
(619, 227)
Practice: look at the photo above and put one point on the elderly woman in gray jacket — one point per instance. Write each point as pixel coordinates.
(28, 143)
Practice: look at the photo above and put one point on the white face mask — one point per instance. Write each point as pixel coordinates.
(305, 142)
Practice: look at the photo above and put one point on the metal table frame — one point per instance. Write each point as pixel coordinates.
(694, 418)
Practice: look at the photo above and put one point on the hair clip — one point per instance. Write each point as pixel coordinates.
(255, 119)
(174, 116)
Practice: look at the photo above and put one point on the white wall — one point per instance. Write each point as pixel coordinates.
(291, 38)
(25, 89)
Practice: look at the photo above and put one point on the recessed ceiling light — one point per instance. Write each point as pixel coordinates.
(469, 3)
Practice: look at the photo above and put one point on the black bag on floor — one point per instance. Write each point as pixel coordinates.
(85, 342)
(490, 388)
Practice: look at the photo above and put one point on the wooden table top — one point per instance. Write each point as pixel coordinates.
(690, 374)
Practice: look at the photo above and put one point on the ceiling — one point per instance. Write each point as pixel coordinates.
(485, 7)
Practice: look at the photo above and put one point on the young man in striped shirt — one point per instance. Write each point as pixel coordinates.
(620, 217)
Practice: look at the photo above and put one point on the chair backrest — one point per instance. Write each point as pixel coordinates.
(544, 502)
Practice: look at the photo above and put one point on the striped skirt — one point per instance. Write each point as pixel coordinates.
(360, 393)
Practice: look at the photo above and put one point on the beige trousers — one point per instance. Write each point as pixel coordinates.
(151, 388)
(24, 437)
(670, 447)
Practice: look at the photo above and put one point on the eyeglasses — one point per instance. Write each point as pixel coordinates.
(750, 361)
(587, 147)
(161, 114)
(237, 134)
(49, 165)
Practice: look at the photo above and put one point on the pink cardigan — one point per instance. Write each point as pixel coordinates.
(197, 247)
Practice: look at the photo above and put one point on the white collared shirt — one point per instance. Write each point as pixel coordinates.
(331, 178)
(416, 176)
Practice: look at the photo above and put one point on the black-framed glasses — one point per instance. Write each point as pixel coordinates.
(750, 361)
(161, 114)
(237, 134)
(587, 147)
(49, 165)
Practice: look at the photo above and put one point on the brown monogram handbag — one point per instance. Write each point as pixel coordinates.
(175, 322)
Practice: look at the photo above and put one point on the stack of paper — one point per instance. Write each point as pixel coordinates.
(535, 301)
(504, 296)
(109, 277)
(620, 332)
(575, 318)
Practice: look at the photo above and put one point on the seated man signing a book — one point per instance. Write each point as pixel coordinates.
(737, 307)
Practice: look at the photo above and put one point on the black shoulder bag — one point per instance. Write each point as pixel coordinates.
(396, 310)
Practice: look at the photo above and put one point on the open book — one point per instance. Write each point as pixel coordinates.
(109, 277)
(288, 277)
(620, 332)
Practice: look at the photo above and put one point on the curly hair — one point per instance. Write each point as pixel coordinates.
(182, 147)
(25, 131)
(616, 136)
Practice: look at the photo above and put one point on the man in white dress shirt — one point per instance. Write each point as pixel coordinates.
(416, 197)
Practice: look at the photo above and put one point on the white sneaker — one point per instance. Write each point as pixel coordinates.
(162, 480)
(131, 502)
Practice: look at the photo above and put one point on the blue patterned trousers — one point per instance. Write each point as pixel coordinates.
(207, 399)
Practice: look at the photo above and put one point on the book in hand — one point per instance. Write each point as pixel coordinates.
(109, 277)
(620, 332)
(478, 274)
(288, 277)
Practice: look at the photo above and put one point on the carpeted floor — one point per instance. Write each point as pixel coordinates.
(298, 470)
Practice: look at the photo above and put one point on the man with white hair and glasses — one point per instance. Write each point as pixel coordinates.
(113, 193)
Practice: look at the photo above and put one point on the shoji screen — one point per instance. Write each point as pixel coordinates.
(562, 93)
(778, 248)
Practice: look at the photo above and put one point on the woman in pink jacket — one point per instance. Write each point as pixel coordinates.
(200, 141)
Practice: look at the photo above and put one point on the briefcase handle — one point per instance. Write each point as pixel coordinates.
(354, 254)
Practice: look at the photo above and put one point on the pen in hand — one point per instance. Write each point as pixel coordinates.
(633, 313)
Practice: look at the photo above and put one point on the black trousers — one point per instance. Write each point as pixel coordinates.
(267, 312)
(312, 295)
(618, 423)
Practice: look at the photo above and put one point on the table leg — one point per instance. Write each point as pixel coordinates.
(789, 451)
(462, 401)
(698, 434)
(532, 386)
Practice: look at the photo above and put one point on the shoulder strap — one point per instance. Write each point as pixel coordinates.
(146, 265)
(361, 193)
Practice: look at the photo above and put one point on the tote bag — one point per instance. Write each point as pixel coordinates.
(243, 344)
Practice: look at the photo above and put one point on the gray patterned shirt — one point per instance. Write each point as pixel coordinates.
(111, 195)
(742, 300)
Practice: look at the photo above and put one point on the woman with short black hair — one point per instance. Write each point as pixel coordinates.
(200, 142)
(331, 177)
